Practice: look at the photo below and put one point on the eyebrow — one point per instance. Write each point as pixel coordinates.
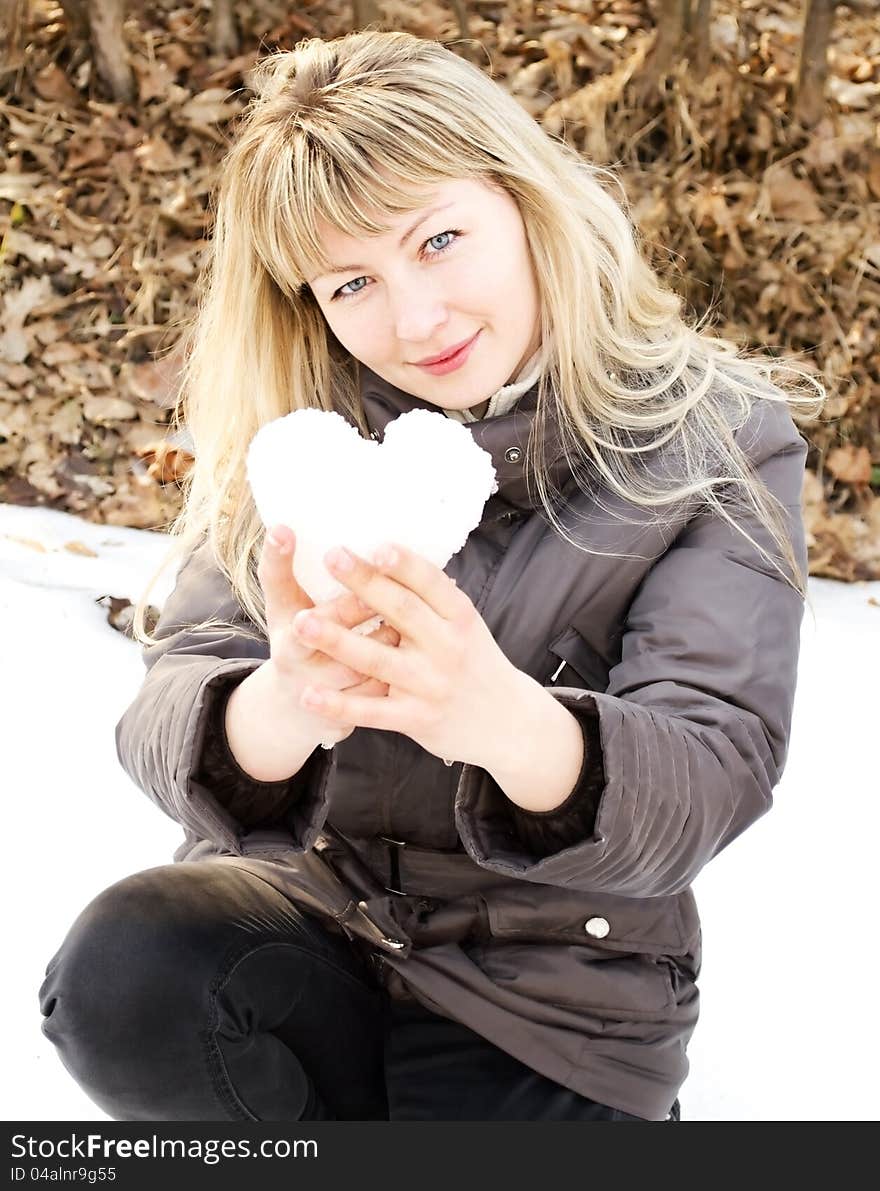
(403, 239)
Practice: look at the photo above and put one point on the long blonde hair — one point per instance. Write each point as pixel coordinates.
(338, 127)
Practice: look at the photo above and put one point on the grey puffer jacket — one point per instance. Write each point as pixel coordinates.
(571, 939)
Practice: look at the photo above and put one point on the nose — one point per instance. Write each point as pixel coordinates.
(419, 315)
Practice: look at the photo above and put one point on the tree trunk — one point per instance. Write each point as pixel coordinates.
(672, 27)
(366, 12)
(459, 7)
(812, 69)
(77, 19)
(99, 24)
(108, 44)
(12, 14)
(222, 29)
(701, 22)
(670, 42)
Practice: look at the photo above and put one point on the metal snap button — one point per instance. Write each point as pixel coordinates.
(597, 927)
(513, 455)
(374, 434)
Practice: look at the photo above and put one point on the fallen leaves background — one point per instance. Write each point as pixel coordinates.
(104, 216)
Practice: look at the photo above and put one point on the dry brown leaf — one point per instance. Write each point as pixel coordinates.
(873, 173)
(83, 150)
(167, 463)
(792, 197)
(212, 106)
(120, 613)
(153, 78)
(850, 464)
(52, 84)
(29, 542)
(76, 547)
(113, 220)
(156, 381)
(853, 95)
(106, 410)
(155, 154)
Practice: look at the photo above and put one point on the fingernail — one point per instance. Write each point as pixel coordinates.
(385, 556)
(307, 625)
(340, 559)
(280, 544)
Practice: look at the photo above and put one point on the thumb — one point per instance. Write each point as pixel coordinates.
(283, 594)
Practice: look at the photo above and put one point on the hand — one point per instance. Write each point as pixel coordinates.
(448, 681)
(297, 663)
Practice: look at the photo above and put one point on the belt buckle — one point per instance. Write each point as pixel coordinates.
(391, 943)
(394, 864)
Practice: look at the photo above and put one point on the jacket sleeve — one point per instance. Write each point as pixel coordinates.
(693, 727)
(167, 739)
(254, 804)
(545, 832)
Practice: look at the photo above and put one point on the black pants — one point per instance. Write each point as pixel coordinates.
(197, 992)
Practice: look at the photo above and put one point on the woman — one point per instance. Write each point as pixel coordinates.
(477, 904)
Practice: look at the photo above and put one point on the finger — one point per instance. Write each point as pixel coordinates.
(346, 609)
(364, 654)
(366, 711)
(344, 612)
(283, 595)
(423, 577)
(333, 673)
(371, 687)
(387, 633)
(410, 593)
(337, 674)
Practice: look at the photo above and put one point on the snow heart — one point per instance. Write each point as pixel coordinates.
(425, 486)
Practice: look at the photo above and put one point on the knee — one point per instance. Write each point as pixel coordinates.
(121, 963)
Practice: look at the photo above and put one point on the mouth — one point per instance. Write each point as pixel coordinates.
(450, 360)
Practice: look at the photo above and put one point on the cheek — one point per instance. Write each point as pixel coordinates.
(511, 289)
(486, 282)
(356, 332)
(508, 269)
(522, 282)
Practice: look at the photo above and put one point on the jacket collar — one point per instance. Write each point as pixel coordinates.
(505, 436)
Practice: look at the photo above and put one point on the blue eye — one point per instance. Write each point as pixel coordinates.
(349, 295)
(440, 236)
(340, 295)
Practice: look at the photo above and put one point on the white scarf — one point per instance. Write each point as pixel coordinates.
(503, 401)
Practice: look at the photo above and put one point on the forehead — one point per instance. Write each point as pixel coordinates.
(334, 236)
(414, 201)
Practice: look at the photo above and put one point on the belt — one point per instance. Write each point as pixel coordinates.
(412, 895)
(414, 871)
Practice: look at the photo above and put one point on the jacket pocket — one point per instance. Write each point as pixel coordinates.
(612, 987)
(610, 955)
(577, 663)
(648, 925)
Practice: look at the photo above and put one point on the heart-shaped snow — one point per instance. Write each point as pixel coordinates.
(425, 487)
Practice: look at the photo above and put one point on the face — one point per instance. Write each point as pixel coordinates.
(462, 273)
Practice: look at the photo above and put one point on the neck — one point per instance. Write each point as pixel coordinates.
(503, 399)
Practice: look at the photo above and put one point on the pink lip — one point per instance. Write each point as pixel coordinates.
(450, 362)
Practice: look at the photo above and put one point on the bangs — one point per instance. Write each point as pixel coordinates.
(357, 184)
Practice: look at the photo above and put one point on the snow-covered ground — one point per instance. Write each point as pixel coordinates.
(788, 1029)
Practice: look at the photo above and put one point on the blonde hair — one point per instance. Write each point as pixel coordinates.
(338, 127)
